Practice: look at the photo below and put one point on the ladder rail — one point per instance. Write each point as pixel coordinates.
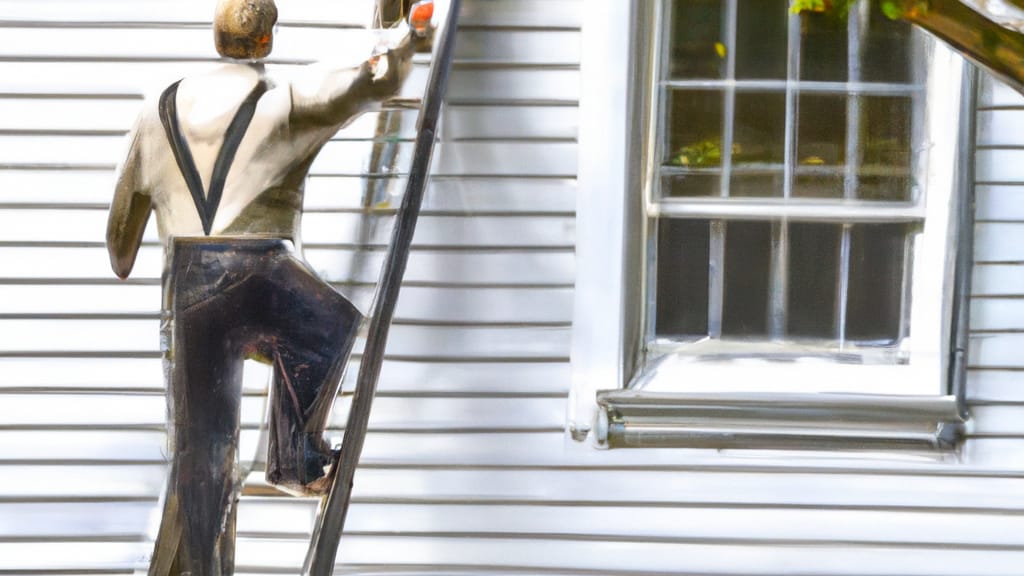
(323, 547)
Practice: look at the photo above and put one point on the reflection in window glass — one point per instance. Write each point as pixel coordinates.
(696, 42)
(823, 56)
(812, 280)
(885, 143)
(695, 128)
(821, 146)
(761, 33)
(690, 185)
(887, 52)
(759, 144)
(747, 260)
(876, 288)
(682, 291)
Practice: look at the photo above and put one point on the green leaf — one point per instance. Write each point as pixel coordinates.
(799, 6)
(892, 9)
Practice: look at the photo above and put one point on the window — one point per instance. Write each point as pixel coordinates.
(797, 190)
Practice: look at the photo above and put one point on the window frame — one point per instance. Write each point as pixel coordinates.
(615, 207)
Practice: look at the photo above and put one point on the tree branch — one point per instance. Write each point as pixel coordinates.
(997, 49)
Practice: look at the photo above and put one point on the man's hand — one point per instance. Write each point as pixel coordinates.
(421, 16)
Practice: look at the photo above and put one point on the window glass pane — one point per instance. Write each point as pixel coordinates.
(747, 262)
(876, 283)
(682, 286)
(823, 46)
(693, 143)
(691, 184)
(694, 138)
(696, 47)
(761, 34)
(759, 144)
(885, 137)
(813, 278)
(821, 146)
(887, 51)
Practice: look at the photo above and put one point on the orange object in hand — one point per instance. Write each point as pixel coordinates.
(421, 14)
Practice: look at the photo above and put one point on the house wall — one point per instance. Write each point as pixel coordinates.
(466, 467)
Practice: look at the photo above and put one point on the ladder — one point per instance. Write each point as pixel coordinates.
(323, 547)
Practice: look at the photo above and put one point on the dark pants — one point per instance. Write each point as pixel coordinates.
(237, 299)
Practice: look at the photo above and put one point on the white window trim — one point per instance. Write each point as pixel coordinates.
(611, 211)
(599, 344)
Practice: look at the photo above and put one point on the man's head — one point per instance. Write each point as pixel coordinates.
(244, 29)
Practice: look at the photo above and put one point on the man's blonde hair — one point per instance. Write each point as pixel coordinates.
(244, 29)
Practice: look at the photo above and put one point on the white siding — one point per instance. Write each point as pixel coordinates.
(996, 379)
(466, 468)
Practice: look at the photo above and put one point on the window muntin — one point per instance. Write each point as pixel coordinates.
(786, 195)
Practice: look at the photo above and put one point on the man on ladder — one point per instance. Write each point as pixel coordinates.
(221, 159)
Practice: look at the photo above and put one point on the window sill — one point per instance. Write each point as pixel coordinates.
(638, 419)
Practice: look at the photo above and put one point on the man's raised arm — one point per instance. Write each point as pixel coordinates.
(335, 95)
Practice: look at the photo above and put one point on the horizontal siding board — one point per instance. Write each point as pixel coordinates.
(999, 127)
(77, 299)
(514, 450)
(772, 524)
(295, 518)
(641, 489)
(108, 447)
(995, 386)
(994, 453)
(492, 556)
(477, 305)
(616, 557)
(149, 410)
(76, 482)
(134, 79)
(113, 374)
(532, 195)
(996, 350)
(53, 263)
(998, 280)
(997, 420)
(538, 13)
(482, 266)
(999, 165)
(141, 336)
(116, 116)
(997, 314)
(23, 557)
(415, 304)
(64, 187)
(554, 159)
(67, 114)
(89, 225)
(541, 556)
(999, 202)
(476, 231)
(73, 520)
(993, 93)
(670, 488)
(345, 47)
(999, 242)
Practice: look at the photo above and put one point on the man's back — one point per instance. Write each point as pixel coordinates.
(262, 193)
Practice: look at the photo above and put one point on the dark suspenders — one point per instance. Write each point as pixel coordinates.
(206, 204)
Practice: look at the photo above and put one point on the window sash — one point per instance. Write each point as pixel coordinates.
(926, 266)
(793, 87)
